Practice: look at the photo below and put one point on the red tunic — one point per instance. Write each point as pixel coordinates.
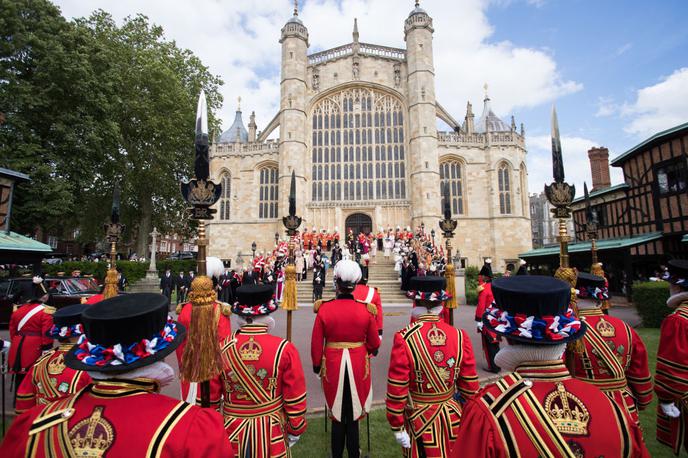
(671, 380)
(29, 339)
(49, 380)
(485, 299)
(117, 418)
(224, 325)
(615, 360)
(265, 392)
(539, 410)
(370, 295)
(430, 361)
(344, 336)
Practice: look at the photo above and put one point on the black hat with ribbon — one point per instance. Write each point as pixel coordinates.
(254, 301)
(534, 309)
(67, 322)
(678, 273)
(429, 288)
(124, 333)
(589, 286)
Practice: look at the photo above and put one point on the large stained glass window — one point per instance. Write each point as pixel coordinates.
(451, 172)
(226, 196)
(358, 148)
(267, 206)
(504, 189)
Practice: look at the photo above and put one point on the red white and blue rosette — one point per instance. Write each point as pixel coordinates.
(536, 329)
(66, 332)
(432, 296)
(593, 292)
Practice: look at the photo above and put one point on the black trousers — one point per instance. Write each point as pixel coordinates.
(490, 349)
(346, 431)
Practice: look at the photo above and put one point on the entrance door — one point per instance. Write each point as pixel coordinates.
(359, 222)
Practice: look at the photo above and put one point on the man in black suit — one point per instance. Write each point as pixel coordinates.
(167, 285)
(180, 283)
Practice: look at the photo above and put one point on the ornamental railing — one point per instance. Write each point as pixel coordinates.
(271, 146)
(366, 49)
(481, 139)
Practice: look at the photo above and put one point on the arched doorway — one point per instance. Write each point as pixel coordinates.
(359, 222)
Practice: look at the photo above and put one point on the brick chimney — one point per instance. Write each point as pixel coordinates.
(599, 166)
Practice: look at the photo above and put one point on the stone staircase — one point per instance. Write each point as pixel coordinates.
(381, 274)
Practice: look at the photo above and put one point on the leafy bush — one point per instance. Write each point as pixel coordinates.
(650, 298)
(471, 285)
(132, 270)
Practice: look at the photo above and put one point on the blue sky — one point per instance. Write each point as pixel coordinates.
(617, 70)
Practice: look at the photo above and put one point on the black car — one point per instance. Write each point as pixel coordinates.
(181, 255)
(64, 291)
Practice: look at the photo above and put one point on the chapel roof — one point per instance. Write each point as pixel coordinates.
(237, 131)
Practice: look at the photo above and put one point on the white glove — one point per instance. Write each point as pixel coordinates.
(403, 439)
(292, 440)
(5, 346)
(318, 376)
(670, 409)
(479, 325)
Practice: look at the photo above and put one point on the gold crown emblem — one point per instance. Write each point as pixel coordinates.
(568, 413)
(250, 350)
(92, 436)
(56, 365)
(605, 328)
(436, 336)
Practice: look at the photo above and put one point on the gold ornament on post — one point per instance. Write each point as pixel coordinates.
(291, 223)
(201, 360)
(448, 225)
(113, 231)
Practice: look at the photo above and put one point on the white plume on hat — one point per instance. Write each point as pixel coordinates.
(488, 261)
(347, 271)
(37, 280)
(523, 262)
(336, 228)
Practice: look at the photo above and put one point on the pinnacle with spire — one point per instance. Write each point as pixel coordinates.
(355, 34)
(296, 7)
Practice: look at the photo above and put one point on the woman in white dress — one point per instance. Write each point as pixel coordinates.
(388, 244)
(299, 264)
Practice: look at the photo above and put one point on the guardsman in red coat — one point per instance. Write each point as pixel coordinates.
(50, 379)
(126, 340)
(370, 295)
(613, 357)
(345, 335)
(671, 379)
(431, 365)
(489, 339)
(539, 409)
(190, 392)
(29, 325)
(265, 390)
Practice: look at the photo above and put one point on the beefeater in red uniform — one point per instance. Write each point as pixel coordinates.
(29, 324)
(50, 379)
(614, 358)
(671, 379)
(265, 389)
(489, 339)
(431, 368)
(345, 335)
(370, 295)
(539, 409)
(190, 392)
(120, 414)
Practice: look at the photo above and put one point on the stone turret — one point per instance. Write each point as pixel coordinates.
(469, 120)
(252, 127)
(292, 148)
(423, 151)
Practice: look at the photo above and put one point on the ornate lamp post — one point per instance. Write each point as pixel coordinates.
(201, 359)
(253, 250)
(291, 223)
(276, 239)
(591, 224)
(113, 231)
(448, 226)
(432, 234)
(422, 228)
(560, 194)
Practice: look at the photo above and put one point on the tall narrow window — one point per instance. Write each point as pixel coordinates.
(370, 150)
(451, 172)
(524, 188)
(504, 189)
(267, 206)
(226, 197)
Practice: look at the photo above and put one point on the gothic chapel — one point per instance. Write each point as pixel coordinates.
(358, 125)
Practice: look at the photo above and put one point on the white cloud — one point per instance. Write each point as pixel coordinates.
(238, 40)
(576, 163)
(623, 48)
(606, 107)
(660, 106)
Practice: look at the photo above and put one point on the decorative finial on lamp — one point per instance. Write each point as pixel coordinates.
(417, 3)
(296, 7)
(239, 103)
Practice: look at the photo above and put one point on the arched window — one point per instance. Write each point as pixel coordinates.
(370, 117)
(451, 172)
(504, 189)
(267, 207)
(226, 196)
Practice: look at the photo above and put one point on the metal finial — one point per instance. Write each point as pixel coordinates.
(239, 103)
(296, 7)
(417, 3)
(485, 87)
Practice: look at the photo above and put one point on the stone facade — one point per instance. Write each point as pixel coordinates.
(358, 126)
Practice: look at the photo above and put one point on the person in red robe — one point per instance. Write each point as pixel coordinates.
(489, 339)
(370, 295)
(671, 379)
(431, 371)
(539, 409)
(126, 339)
(265, 389)
(613, 357)
(29, 326)
(345, 335)
(50, 379)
